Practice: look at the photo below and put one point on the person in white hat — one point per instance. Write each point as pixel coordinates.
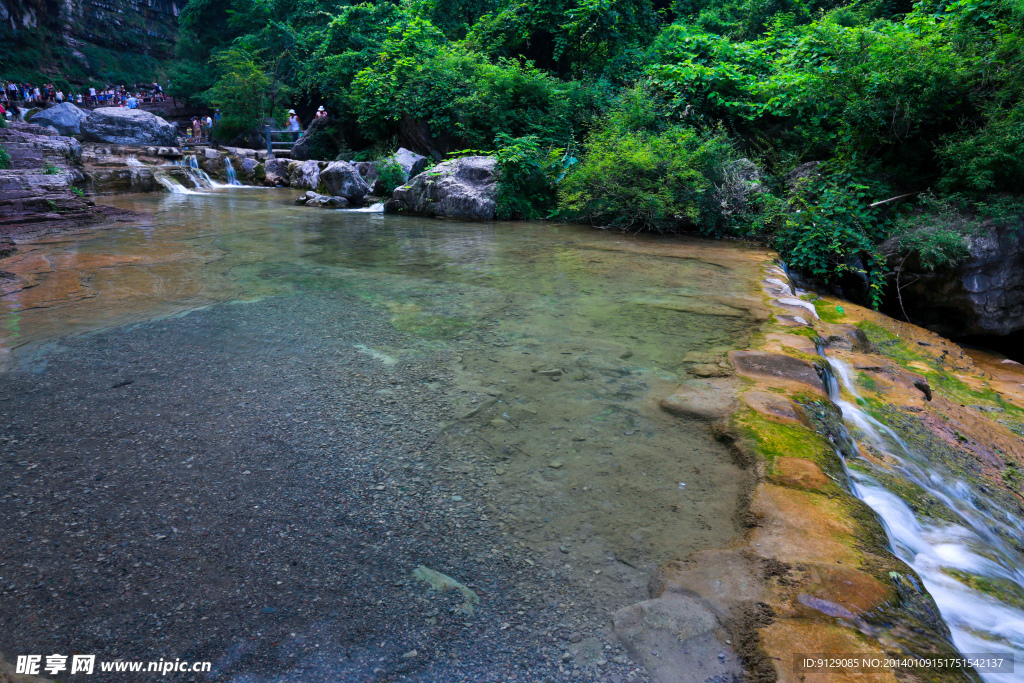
(293, 124)
(321, 113)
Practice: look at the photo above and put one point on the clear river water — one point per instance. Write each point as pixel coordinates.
(222, 375)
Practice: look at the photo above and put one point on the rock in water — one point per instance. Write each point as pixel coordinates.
(673, 637)
(459, 188)
(128, 127)
(276, 172)
(248, 168)
(343, 180)
(304, 175)
(313, 199)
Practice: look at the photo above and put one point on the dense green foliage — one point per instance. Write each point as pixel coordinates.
(5, 158)
(651, 115)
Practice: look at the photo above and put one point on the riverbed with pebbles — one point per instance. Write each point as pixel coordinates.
(253, 481)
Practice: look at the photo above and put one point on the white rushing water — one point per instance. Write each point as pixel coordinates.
(937, 550)
(230, 170)
(373, 208)
(171, 184)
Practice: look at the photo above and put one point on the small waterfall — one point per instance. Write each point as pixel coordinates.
(130, 160)
(972, 545)
(200, 177)
(373, 208)
(171, 184)
(230, 170)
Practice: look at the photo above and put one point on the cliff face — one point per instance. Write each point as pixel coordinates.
(138, 26)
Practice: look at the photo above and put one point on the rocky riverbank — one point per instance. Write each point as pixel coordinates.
(816, 573)
(41, 192)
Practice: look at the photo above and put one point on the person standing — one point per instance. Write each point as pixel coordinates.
(294, 126)
(321, 113)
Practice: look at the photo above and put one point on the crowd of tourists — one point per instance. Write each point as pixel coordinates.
(111, 96)
(201, 127)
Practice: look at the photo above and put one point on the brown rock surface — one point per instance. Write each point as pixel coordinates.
(777, 369)
(701, 400)
(799, 473)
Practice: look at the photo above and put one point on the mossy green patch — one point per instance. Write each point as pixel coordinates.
(828, 311)
(865, 381)
(942, 381)
(1002, 590)
(808, 332)
(774, 440)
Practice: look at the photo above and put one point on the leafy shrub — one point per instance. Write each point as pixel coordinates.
(640, 171)
(640, 181)
(5, 157)
(390, 173)
(244, 91)
(832, 230)
(528, 177)
(988, 159)
(462, 95)
(50, 169)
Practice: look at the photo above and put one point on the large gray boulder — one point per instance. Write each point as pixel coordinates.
(984, 295)
(322, 140)
(304, 175)
(276, 172)
(342, 179)
(459, 188)
(128, 127)
(412, 163)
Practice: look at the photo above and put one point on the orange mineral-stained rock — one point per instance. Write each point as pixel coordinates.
(799, 526)
(799, 473)
(793, 639)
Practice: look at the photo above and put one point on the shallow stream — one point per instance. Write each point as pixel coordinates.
(540, 352)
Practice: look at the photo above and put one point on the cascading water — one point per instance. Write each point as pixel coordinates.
(200, 177)
(171, 184)
(373, 208)
(230, 170)
(970, 545)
